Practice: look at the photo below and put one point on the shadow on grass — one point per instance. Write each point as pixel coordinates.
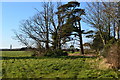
(32, 57)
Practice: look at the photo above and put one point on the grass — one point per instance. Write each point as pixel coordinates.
(16, 54)
(21, 65)
(74, 52)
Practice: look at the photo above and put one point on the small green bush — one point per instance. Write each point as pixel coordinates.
(56, 52)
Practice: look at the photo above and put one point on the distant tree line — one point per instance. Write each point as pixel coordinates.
(17, 49)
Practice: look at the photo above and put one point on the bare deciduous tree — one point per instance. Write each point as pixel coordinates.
(36, 30)
(102, 16)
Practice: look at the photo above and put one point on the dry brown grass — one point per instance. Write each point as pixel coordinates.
(103, 65)
(87, 55)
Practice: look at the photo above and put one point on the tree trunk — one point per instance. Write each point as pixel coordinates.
(80, 37)
(118, 30)
(109, 28)
(47, 26)
(114, 28)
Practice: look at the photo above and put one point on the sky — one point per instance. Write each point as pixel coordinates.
(13, 13)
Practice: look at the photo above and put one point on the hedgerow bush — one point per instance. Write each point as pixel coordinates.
(107, 47)
(90, 51)
(56, 52)
(38, 52)
(49, 52)
(113, 55)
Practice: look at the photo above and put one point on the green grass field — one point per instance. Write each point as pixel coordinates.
(19, 64)
(15, 54)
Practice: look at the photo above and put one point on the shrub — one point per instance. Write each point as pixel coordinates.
(38, 52)
(56, 52)
(105, 51)
(49, 52)
(113, 55)
(89, 51)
